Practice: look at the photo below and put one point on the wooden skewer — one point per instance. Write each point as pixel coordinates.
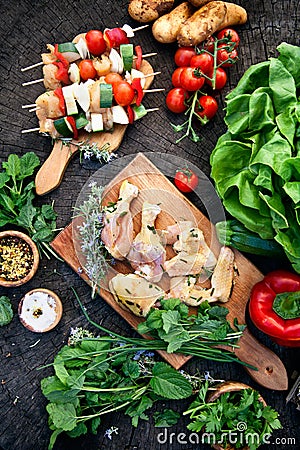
(27, 83)
(139, 28)
(147, 55)
(30, 130)
(151, 74)
(154, 90)
(34, 109)
(152, 109)
(32, 66)
(28, 106)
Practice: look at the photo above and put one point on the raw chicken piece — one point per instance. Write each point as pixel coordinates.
(188, 292)
(47, 126)
(50, 80)
(135, 293)
(185, 289)
(193, 253)
(222, 279)
(147, 254)
(48, 104)
(117, 234)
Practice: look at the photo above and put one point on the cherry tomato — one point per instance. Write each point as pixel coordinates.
(191, 79)
(230, 34)
(175, 100)
(113, 77)
(207, 107)
(95, 42)
(203, 61)
(87, 69)
(208, 44)
(186, 180)
(221, 78)
(225, 57)
(183, 56)
(123, 93)
(176, 76)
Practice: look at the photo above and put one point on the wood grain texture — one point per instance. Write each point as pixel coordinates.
(155, 187)
(26, 27)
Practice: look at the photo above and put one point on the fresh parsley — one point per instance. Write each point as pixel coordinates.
(225, 415)
(17, 194)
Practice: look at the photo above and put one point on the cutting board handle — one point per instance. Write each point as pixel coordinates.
(272, 373)
(52, 171)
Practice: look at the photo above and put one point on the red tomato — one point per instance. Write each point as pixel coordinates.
(207, 107)
(87, 69)
(186, 180)
(230, 34)
(208, 44)
(95, 42)
(113, 77)
(183, 56)
(123, 93)
(176, 77)
(225, 57)
(203, 61)
(191, 79)
(175, 100)
(221, 78)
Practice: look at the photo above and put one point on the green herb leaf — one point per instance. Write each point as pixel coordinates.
(12, 166)
(63, 416)
(169, 383)
(28, 163)
(6, 311)
(167, 418)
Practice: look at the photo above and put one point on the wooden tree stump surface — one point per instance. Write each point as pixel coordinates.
(26, 28)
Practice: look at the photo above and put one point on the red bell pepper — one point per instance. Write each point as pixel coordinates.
(139, 57)
(136, 84)
(274, 307)
(115, 37)
(62, 105)
(63, 66)
(130, 114)
(72, 122)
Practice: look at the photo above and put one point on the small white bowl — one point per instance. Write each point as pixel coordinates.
(40, 310)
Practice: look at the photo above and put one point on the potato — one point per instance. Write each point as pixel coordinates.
(149, 10)
(207, 20)
(166, 28)
(199, 3)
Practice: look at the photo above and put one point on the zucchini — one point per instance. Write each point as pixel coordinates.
(233, 233)
(63, 127)
(126, 51)
(81, 121)
(106, 95)
(139, 111)
(69, 51)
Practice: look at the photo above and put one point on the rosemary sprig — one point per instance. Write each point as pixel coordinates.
(93, 249)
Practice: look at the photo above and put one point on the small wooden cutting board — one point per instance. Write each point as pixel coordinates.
(51, 173)
(143, 173)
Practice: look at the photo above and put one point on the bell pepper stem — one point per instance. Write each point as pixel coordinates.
(287, 305)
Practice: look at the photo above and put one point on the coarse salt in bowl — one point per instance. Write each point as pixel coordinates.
(40, 310)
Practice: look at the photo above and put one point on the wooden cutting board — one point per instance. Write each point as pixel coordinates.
(155, 187)
(51, 173)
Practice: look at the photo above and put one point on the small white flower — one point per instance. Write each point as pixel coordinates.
(108, 433)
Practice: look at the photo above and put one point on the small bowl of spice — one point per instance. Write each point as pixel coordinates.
(19, 258)
(40, 310)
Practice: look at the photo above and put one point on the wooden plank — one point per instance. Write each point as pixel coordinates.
(155, 187)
